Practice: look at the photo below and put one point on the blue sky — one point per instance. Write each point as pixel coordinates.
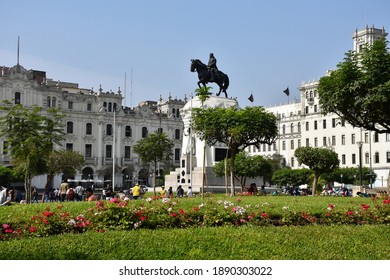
(263, 46)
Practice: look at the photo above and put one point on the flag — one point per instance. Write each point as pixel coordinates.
(287, 91)
(251, 98)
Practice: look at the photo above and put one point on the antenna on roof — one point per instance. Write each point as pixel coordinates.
(18, 52)
(131, 87)
(125, 87)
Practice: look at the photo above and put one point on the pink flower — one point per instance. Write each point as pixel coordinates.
(365, 206)
(330, 206)
(349, 213)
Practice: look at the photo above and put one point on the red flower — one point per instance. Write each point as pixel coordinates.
(143, 218)
(196, 209)
(365, 206)
(181, 211)
(349, 213)
(48, 214)
(263, 215)
(33, 229)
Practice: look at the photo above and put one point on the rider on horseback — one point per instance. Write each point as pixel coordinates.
(212, 67)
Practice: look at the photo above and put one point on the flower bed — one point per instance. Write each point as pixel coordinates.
(156, 212)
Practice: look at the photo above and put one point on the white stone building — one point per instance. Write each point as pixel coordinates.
(92, 128)
(301, 123)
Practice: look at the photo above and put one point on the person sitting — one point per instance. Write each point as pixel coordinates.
(5, 197)
(90, 195)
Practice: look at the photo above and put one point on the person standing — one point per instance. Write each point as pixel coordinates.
(62, 190)
(79, 190)
(5, 197)
(136, 191)
(34, 195)
(179, 191)
(170, 192)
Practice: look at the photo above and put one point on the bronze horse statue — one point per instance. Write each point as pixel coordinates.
(204, 76)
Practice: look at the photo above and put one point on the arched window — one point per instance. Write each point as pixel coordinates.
(144, 132)
(177, 134)
(69, 127)
(53, 102)
(48, 101)
(88, 129)
(109, 129)
(128, 131)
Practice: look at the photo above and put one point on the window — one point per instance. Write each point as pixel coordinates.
(160, 130)
(88, 129)
(353, 159)
(128, 131)
(307, 126)
(376, 157)
(388, 157)
(177, 134)
(324, 124)
(367, 158)
(292, 162)
(292, 144)
(69, 147)
(284, 129)
(284, 145)
(315, 125)
(17, 97)
(353, 139)
(324, 143)
(343, 159)
(89, 107)
(292, 128)
(177, 154)
(69, 127)
(333, 140)
(299, 143)
(53, 102)
(48, 101)
(333, 122)
(299, 127)
(366, 138)
(88, 150)
(342, 139)
(109, 129)
(177, 113)
(144, 132)
(315, 142)
(376, 137)
(307, 109)
(387, 137)
(108, 151)
(127, 152)
(307, 142)
(315, 108)
(70, 105)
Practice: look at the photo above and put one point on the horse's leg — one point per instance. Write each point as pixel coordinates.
(199, 84)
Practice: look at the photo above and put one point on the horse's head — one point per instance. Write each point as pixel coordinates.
(196, 65)
(193, 65)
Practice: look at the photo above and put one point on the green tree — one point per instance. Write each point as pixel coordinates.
(156, 147)
(319, 160)
(359, 89)
(246, 166)
(66, 162)
(31, 135)
(236, 128)
(350, 175)
(291, 177)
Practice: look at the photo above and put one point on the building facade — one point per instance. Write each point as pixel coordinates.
(302, 123)
(96, 125)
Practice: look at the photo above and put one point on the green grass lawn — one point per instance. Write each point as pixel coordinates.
(314, 242)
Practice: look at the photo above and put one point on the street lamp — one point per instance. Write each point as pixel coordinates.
(341, 175)
(360, 145)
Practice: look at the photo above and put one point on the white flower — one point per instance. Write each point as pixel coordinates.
(72, 223)
(165, 200)
(169, 209)
(149, 199)
(285, 208)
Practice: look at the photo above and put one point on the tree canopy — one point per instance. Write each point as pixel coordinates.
(31, 135)
(319, 160)
(236, 128)
(358, 91)
(156, 147)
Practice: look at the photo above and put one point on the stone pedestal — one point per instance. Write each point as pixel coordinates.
(193, 151)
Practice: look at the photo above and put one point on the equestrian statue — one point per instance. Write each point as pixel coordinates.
(210, 74)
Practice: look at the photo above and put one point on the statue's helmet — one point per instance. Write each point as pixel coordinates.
(211, 54)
